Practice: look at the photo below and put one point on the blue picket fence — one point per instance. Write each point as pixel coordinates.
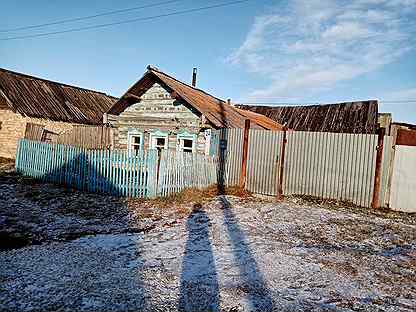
(145, 175)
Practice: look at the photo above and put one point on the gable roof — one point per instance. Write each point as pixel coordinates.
(218, 112)
(348, 117)
(40, 98)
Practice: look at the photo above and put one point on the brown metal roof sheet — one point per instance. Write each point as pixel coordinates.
(35, 97)
(219, 113)
(348, 117)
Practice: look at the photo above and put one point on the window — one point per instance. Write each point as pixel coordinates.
(159, 140)
(135, 142)
(160, 143)
(186, 142)
(186, 145)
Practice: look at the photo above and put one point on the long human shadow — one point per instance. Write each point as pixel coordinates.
(253, 280)
(254, 283)
(199, 289)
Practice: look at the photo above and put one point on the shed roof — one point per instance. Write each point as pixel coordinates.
(218, 112)
(36, 97)
(348, 117)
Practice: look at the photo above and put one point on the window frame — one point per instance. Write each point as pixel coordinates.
(130, 144)
(159, 135)
(185, 135)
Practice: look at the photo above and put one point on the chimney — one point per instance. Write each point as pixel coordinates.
(194, 77)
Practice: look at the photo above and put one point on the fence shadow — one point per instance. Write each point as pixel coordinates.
(199, 289)
(95, 261)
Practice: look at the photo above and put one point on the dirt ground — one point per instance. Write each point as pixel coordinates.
(71, 251)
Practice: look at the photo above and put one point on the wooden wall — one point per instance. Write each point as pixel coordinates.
(90, 137)
(157, 111)
(13, 128)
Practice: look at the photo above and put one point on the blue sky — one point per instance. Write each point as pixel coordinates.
(313, 51)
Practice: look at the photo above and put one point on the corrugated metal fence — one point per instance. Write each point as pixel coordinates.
(115, 172)
(321, 164)
(332, 165)
(263, 161)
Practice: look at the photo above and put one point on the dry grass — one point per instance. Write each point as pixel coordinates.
(6, 165)
(181, 204)
(346, 206)
(4, 160)
(197, 196)
(191, 196)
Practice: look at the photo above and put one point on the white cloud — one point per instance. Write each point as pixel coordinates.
(310, 45)
(400, 95)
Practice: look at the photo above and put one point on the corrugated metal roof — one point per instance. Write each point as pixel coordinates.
(35, 97)
(348, 117)
(218, 112)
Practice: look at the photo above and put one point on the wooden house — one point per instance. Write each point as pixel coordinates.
(57, 107)
(161, 112)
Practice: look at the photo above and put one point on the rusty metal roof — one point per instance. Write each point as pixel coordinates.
(218, 112)
(36, 97)
(348, 117)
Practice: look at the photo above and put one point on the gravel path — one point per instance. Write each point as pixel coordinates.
(232, 255)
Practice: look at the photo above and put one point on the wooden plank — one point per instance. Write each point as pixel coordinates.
(378, 170)
(406, 137)
(282, 165)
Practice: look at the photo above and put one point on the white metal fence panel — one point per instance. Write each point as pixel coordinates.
(263, 161)
(331, 165)
(403, 188)
(386, 167)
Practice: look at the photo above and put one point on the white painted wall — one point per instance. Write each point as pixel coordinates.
(403, 188)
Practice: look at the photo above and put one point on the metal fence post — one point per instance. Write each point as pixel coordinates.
(282, 165)
(245, 154)
(378, 172)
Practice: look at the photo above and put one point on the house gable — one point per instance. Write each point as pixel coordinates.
(157, 104)
(156, 111)
(216, 112)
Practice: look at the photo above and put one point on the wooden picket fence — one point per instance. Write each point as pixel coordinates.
(146, 175)
(185, 170)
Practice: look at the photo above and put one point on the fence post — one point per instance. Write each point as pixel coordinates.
(377, 177)
(18, 155)
(282, 165)
(245, 154)
(158, 161)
